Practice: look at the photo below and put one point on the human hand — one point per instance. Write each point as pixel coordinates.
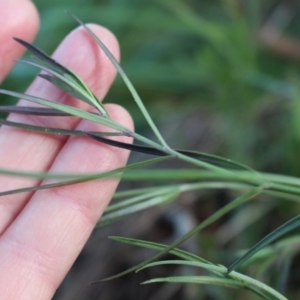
(42, 233)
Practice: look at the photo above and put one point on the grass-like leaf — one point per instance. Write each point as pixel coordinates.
(84, 115)
(190, 259)
(65, 87)
(51, 130)
(280, 231)
(147, 197)
(29, 110)
(212, 159)
(63, 78)
(135, 207)
(200, 280)
(70, 110)
(156, 246)
(284, 248)
(219, 273)
(217, 215)
(70, 85)
(78, 177)
(44, 59)
(183, 187)
(142, 197)
(225, 282)
(126, 80)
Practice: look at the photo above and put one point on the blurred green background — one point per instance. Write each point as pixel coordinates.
(219, 76)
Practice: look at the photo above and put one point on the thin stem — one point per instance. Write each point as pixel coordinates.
(127, 81)
(198, 162)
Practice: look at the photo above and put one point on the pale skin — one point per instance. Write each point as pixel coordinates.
(42, 233)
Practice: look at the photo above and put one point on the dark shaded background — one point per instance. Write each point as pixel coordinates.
(217, 76)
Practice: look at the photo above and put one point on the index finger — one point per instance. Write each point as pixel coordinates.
(17, 18)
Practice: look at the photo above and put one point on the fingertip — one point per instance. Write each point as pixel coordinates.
(106, 36)
(83, 55)
(18, 19)
(119, 114)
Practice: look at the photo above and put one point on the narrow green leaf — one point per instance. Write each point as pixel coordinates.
(85, 88)
(234, 177)
(70, 110)
(280, 231)
(70, 84)
(51, 130)
(212, 159)
(151, 245)
(217, 215)
(78, 177)
(184, 187)
(158, 200)
(139, 198)
(229, 283)
(220, 271)
(284, 248)
(46, 61)
(44, 58)
(194, 260)
(126, 80)
(29, 110)
(138, 195)
(65, 87)
(83, 114)
(132, 147)
(207, 266)
(198, 279)
(81, 176)
(258, 284)
(216, 160)
(137, 192)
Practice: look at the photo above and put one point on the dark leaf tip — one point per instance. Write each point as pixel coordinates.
(43, 56)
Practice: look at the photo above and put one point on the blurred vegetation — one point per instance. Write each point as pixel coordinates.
(211, 56)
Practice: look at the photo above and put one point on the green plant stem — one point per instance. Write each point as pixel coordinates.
(127, 81)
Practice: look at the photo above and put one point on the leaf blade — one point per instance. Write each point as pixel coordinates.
(126, 80)
(70, 110)
(280, 231)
